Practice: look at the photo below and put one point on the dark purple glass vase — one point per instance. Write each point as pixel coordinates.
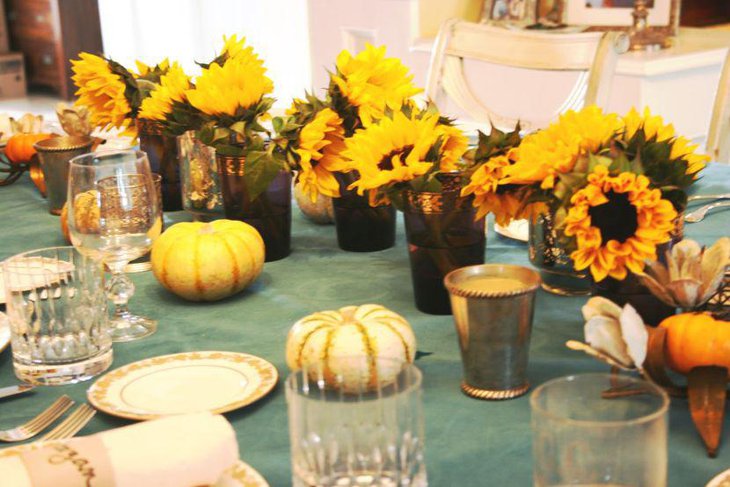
(269, 212)
(443, 235)
(162, 153)
(361, 227)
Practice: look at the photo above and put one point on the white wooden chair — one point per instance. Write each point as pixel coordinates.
(718, 138)
(592, 55)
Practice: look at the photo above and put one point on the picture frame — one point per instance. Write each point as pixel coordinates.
(616, 15)
(513, 12)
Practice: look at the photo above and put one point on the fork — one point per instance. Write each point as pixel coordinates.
(39, 423)
(698, 197)
(71, 425)
(699, 214)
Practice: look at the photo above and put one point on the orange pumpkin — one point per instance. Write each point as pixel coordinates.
(695, 340)
(64, 223)
(19, 148)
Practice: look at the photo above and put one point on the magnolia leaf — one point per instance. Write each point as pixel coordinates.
(598, 305)
(604, 334)
(260, 170)
(634, 335)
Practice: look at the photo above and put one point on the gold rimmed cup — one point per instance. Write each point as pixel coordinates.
(493, 306)
(54, 154)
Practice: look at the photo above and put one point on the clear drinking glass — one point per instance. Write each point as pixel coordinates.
(58, 316)
(346, 432)
(599, 429)
(114, 216)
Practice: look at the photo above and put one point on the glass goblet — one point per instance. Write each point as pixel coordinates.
(113, 216)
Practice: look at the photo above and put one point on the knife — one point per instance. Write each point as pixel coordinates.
(13, 390)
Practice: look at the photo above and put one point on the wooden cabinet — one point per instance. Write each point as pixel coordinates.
(51, 32)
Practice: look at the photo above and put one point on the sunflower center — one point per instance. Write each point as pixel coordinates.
(386, 163)
(616, 219)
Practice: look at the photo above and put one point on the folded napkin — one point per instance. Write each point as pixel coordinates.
(177, 451)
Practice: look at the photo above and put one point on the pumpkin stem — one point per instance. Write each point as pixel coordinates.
(206, 229)
(348, 314)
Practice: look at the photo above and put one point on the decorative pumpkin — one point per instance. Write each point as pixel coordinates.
(348, 341)
(321, 211)
(696, 339)
(19, 148)
(208, 261)
(64, 223)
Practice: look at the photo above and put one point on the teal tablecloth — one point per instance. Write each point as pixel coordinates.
(468, 442)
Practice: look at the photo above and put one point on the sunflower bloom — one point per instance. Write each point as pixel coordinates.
(320, 143)
(172, 88)
(617, 222)
(682, 148)
(391, 151)
(101, 91)
(223, 90)
(555, 150)
(454, 145)
(653, 126)
(372, 82)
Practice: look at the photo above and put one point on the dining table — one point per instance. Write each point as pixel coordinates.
(469, 442)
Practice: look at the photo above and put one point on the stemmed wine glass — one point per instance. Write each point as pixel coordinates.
(114, 217)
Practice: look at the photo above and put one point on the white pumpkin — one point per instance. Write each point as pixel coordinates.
(320, 211)
(347, 344)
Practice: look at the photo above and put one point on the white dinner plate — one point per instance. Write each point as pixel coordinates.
(4, 331)
(39, 268)
(183, 383)
(516, 230)
(240, 475)
(721, 480)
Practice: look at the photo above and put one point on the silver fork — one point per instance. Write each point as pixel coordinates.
(39, 423)
(71, 425)
(699, 214)
(698, 197)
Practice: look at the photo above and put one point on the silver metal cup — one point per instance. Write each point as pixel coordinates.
(54, 154)
(493, 309)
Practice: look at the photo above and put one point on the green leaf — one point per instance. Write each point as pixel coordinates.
(260, 170)
(239, 127)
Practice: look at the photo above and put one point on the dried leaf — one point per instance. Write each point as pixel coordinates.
(658, 271)
(657, 289)
(634, 333)
(598, 306)
(685, 292)
(714, 262)
(604, 334)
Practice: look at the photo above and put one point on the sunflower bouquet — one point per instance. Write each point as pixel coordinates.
(116, 97)
(231, 100)
(615, 185)
(404, 151)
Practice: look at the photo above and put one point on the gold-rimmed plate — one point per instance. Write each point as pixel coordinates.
(183, 383)
(239, 475)
(516, 230)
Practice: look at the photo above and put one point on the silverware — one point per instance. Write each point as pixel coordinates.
(698, 197)
(13, 390)
(699, 214)
(71, 425)
(39, 423)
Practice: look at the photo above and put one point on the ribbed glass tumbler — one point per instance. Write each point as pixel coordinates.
(356, 422)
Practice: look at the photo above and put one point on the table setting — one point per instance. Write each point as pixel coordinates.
(182, 324)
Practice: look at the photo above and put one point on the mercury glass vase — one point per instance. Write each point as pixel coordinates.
(269, 212)
(443, 235)
(161, 150)
(548, 255)
(361, 227)
(201, 192)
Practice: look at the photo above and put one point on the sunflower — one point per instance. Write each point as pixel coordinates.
(239, 83)
(454, 145)
(102, 91)
(172, 87)
(145, 70)
(320, 143)
(484, 183)
(394, 150)
(556, 149)
(654, 129)
(617, 222)
(372, 82)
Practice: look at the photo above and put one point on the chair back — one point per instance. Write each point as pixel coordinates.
(718, 137)
(593, 55)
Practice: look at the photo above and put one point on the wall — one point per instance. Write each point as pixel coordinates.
(192, 30)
